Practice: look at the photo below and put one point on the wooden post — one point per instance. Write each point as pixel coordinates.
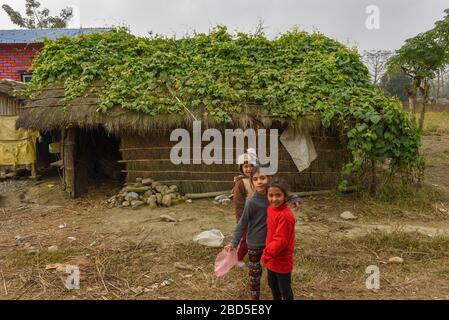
(33, 170)
(68, 155)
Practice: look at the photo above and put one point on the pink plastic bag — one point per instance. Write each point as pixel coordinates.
(224, 262)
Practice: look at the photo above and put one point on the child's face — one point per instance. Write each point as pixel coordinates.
(276, 196)
(246, 168)
(260, 182)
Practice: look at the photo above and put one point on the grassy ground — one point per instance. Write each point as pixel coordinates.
(436, 123)
(122, 252)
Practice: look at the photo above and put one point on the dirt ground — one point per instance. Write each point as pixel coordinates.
(128, 254)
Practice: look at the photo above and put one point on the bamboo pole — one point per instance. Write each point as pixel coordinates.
(223, 148)
(69, 161)
(206, 194)
(301, 194)
(169, 160)
(224, 172)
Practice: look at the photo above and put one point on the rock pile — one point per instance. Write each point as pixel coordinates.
(146, 192)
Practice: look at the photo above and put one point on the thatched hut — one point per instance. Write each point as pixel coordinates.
(116, 97)
(138, 145)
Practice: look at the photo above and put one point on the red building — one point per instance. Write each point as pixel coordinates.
(16, 59)
(19, 47)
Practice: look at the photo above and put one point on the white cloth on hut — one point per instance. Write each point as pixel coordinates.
(299, 145)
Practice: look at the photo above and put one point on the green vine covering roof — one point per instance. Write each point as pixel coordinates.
(293, 75)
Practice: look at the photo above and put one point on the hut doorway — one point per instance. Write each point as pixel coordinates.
(91, 157)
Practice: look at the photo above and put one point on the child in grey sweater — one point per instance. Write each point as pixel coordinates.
(254, 219)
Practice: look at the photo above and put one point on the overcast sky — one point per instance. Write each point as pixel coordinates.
(340, 19)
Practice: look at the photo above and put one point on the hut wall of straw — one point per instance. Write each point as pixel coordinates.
(149, 157)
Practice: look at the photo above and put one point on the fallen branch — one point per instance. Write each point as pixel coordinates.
(391, 285)
(325, 256)
(141, 241)
(301, 194)
(101, 276)
(206, 194)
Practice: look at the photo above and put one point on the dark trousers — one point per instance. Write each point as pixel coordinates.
(254, 272)
(280, 285)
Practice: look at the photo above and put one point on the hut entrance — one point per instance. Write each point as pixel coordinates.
(90, 157)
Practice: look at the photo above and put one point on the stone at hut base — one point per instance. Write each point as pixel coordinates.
(148, 194)
(147, 182)
(137, 203)
(159, 198)
(152, 202)
(166, 200)
(130, 196)
(137, 189)
(161, 189)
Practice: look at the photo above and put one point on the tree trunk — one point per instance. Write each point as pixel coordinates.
(416, 84)
(411, 103)
(425, 97)
(421, 118)
(438, 85)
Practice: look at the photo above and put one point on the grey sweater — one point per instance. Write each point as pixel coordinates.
(254, 218)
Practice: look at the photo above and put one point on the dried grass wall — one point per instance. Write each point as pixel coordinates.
(149, 157)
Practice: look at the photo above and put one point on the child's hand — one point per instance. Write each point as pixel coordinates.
(295, 206)
(296, 201)
(229, 247)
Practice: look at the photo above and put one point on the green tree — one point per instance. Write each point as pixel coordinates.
(421, 58)
(396, 83)
(38, 19)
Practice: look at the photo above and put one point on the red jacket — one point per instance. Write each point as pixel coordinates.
(280, 245)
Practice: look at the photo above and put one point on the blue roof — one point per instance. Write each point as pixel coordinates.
(36, 35)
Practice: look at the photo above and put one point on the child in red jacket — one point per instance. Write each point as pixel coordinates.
(278, 253)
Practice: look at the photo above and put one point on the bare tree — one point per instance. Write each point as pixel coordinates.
(38, 19)
(260, 27)
(376, 61)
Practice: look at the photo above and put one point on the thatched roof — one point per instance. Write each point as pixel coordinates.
(49, 112)
(9, 87)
